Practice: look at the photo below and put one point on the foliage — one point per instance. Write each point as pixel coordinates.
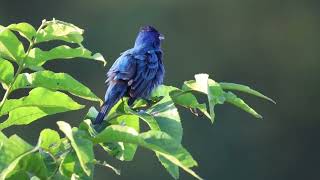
(72, 156)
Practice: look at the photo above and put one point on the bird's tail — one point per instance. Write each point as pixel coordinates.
(114, 93)
(104, 110)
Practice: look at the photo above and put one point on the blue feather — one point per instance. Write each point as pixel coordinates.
(136, 72)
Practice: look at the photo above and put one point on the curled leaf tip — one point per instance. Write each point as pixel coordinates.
(99, 57)
(273, 101)
(259, 116)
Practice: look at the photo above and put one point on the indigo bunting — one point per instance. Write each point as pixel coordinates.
(136, 72)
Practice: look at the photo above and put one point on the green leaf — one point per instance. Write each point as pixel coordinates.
(32, 163)
(152, 123)
(215, 96)
(24, 29)
(200, 84)
(120, 150)
(3, 138)
(124, 151)
(50, 141)
(40, 165)
(157, 141)
(207, 86)
(10, 149)
(26, 115)
(163, 90)
(59, 30)
(92, 113)
(180, 97)
(50, 163)
(168, 119)
(19, 175)
(188, 100)
(38, 57)
(70, 168)
(81, 145)
(42, 98)
(245, 89)
(22, 158)
(10, 46)
(6, 72)
(233, 99)
(54, 81)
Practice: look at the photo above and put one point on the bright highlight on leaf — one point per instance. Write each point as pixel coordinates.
(6, 72)
(59, 30)
(10, 46)
(245, 89)
(217, 95)
(81, 145)
(157, 141)
(38, 57)
(24, 29)
(41, 98)
(54, 81)
(22, 158)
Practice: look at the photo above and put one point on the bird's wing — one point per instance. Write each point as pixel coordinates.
(123, 69)
(147, 74)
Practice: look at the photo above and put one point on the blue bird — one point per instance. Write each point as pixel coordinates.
(136, 72)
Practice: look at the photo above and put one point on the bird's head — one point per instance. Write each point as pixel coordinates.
(148, 37)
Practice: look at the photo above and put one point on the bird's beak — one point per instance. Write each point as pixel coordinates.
(161, 37)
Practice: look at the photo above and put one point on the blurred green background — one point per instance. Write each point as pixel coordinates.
(270, 45)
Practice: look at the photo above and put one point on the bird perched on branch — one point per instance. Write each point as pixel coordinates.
(136, 72)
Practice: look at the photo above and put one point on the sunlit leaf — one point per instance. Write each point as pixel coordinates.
(38, 57)
(6, 72)
(22, 158)
(168, 120)
(27, 115)
(10, 149)
(54, 81)
(233, 99)
(124, 151)
(120, 114)
(59, 30)
(188, 100)
(243, 88)
(92, 113)
(26, 30)
(10, 46)
(200, 84)
(70, 168)
(163, 90)
(50, 162)
(180, 97)
(149, 119)
(120, 150)
(157, 141)
(209, 87)
(215, 96)
(3, 138)
(167, 117)
(50, 141)
(81, 145)
(41, 98)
